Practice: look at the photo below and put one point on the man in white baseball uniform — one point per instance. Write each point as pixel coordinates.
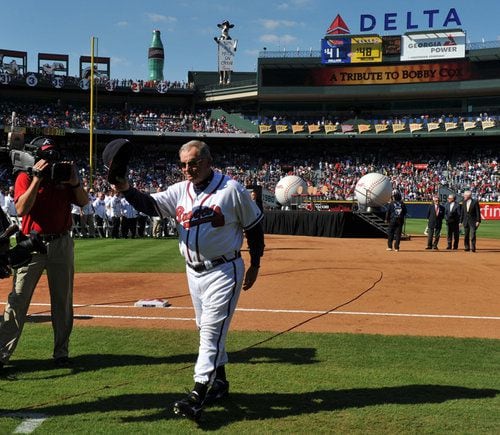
(213, 212)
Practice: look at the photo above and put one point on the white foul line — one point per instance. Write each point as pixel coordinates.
(362, 313)
(30, 423)
(263, 310)
(102, 316)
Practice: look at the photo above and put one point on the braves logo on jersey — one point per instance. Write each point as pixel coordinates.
(200, 215)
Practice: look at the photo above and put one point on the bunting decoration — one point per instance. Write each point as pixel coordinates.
(487, 124)
(381, 127)
(398, 127)
(432, 126)
(468, 125)
(416, 127)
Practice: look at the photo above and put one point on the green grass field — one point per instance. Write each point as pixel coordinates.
(124, 381)
(125, 255)
(487, 229)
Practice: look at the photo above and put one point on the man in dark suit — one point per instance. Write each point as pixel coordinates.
(435, 216)
(471, 219)
(452, 216)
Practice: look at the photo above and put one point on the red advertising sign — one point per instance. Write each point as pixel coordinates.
(490, 211)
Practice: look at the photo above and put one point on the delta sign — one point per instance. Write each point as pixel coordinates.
(340, 46)
(402, 21)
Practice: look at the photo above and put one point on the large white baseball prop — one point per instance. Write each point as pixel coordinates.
(373, 190)
(289, 186)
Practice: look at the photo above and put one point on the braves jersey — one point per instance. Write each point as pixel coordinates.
(210, 223)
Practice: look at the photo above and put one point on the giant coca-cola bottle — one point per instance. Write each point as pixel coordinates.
(156, 58)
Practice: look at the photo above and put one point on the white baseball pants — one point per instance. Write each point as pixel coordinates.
(214, 294)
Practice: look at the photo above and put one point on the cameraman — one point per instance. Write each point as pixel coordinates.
(45, 206)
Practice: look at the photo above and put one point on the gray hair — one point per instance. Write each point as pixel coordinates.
(468, 193)
(202, 147)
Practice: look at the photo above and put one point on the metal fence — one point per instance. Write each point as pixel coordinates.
(317, 53)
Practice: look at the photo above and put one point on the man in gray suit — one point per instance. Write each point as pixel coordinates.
(471, 219)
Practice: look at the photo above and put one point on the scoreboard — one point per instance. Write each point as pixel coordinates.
(351, 49)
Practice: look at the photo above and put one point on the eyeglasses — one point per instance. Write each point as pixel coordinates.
(191, 164)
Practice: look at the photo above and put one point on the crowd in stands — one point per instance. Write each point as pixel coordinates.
(335, 177)
(136, 118)
(128, 83)
(47, 74)
(332, 176)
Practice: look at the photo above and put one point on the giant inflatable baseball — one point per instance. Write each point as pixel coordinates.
(373, 190)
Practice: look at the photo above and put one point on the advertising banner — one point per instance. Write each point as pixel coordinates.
(226, 52)
(366, 49)
(490, 211)
(335, 50)
(391, 45)
(430, 46)
(391, 74)
(351, 49)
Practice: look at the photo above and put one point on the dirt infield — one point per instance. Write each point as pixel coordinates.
(411, 292)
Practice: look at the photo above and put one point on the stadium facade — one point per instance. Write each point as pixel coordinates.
(308, 100)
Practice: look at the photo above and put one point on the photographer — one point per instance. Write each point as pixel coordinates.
(43, 198)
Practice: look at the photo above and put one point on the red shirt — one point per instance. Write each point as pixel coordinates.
(51, 212)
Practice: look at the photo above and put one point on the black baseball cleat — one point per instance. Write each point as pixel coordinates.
(218, 391)
(190, 407)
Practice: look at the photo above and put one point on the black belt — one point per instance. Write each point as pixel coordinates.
(50, 237)
(208, 265)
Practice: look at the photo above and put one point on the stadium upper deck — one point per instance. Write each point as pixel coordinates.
(296, 89)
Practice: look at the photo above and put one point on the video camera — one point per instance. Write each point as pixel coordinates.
(19, 255)
(24, 156)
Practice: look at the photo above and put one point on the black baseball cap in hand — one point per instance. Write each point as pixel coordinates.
(115, 157)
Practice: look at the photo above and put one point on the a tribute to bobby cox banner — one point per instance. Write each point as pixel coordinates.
(430, 46)
(226, 54)
(391, 74)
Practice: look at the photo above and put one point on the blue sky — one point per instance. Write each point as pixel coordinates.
(124, 28)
